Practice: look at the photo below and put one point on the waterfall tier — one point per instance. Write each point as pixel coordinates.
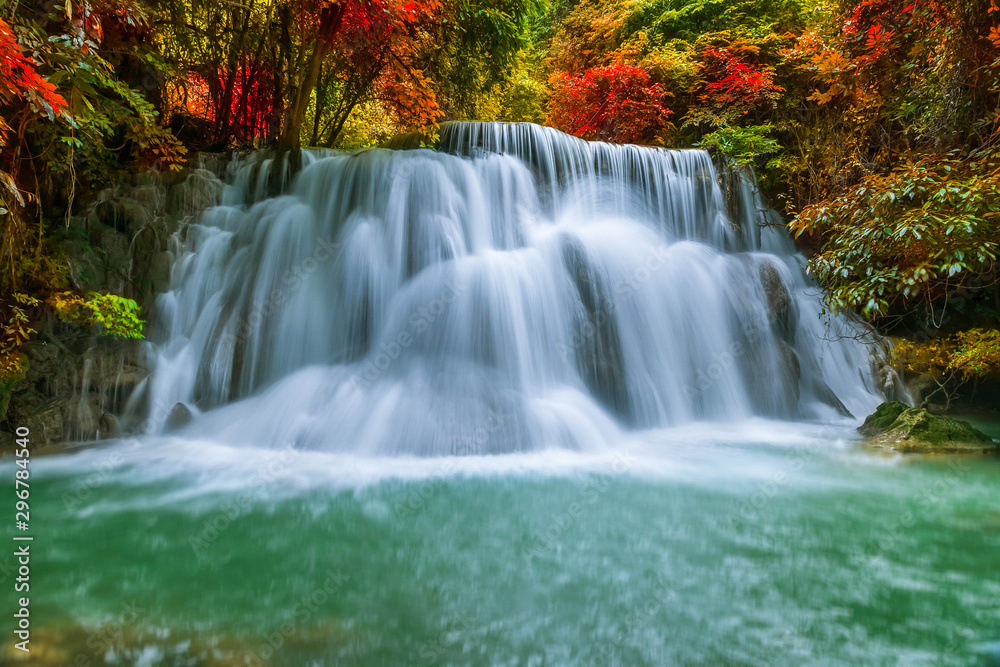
(516, 289)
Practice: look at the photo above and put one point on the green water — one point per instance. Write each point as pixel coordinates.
(677, 552)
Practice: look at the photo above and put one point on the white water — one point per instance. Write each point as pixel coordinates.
(519, 290)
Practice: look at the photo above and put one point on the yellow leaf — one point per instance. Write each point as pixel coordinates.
(820, 97)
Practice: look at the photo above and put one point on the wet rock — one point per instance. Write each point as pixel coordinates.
(77, 386)
(908, 429)
(791, 368)
(180, 416)
(889, 379)
(780, 305)
(74, 384)
(595, 338)
(114, 261)
(822, 391)
(200, 190)
(108, 425)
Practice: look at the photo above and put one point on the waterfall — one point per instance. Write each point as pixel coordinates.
(515, 289)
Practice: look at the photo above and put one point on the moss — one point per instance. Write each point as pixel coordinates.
(882, 419)
(917, 430)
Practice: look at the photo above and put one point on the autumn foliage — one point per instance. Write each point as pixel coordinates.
(617, 103)
(733, 81)
(19, 77)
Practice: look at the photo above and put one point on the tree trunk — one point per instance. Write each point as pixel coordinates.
(291, 139)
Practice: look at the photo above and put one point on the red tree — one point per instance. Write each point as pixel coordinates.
(20, 80)
(618, 104)
(735, 83)
(23, 93)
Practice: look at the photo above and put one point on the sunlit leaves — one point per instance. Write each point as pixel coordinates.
(974, 353)
(116, 316)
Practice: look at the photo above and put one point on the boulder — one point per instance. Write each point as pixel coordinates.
(882, 419)
(907, 429)
(824, 393)
(180, 415)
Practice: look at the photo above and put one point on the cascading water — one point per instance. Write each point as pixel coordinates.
(517, 289)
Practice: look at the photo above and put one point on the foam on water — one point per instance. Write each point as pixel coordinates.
(194, 474)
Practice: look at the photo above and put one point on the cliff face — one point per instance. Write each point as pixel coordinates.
(77, 384)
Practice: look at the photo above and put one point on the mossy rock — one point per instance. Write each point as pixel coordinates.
(908, 429)
(882, 419)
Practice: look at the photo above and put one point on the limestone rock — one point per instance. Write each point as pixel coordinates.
(908, 429)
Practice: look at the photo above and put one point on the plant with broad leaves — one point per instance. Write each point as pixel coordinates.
(117, 316)
(924, 228)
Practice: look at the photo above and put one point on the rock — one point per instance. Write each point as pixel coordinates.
(179, 417)
(200, 190)
(108, 426)
(822, 392)
(790, 360)
(597, 344)
(882, 419)
(77, 387)
(792, 368)
(780, 306)
(7, 441)
(908, 429)
(114, 260)
(889, 378)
